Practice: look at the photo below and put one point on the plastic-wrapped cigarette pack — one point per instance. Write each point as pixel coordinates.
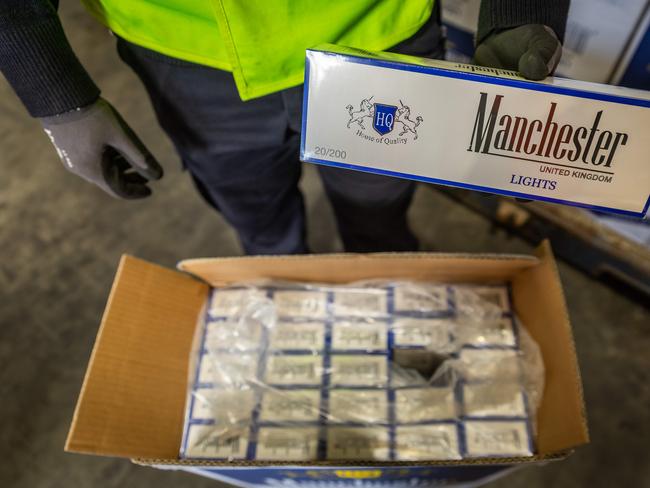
(398, 371)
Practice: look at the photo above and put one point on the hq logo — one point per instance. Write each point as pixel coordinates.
(384, 119)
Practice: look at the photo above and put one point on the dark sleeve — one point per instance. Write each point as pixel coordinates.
(504, 14)
(37, 59)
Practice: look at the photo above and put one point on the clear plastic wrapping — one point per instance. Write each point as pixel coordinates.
(368, 371)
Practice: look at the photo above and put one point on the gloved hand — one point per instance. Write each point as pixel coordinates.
(94, 142)
(532, 49)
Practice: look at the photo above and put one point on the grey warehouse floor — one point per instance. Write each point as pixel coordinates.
(61, 240)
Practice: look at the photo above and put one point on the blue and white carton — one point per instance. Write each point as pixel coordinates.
(486, 129)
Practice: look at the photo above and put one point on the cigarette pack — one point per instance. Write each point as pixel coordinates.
(360, 303)
(290, 406)
(424, 404)
(207, 442)
(412, 297)
(227, 303)
(433, 334)
(222, 406)
(497, 438)
(361, 336)
(294, 370)
(494, 399)
(295, 444)
(436, 441)
(359, 370)
(486, 129)
(307, 304)
(295, 336)
(358, 443)
(364, 406)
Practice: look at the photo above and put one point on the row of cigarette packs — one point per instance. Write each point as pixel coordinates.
(304, 374)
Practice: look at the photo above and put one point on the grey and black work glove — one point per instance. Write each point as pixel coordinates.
(94, 142)
(532, 49)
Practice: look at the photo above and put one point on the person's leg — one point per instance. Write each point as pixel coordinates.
(241, 155)
(371, 210)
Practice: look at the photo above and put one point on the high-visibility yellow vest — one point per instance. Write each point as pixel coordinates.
(262, 42)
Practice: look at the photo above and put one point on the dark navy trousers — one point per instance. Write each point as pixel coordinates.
(243, 156)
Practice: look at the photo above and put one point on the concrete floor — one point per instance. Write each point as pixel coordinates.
(61, 241)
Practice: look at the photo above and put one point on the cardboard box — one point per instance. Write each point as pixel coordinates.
(604, 39)
(486, 129)
(132, 402)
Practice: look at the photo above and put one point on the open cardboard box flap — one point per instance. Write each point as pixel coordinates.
(133, 396)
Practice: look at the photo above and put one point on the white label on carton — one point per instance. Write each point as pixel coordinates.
(210, 441)
(361, 370)
(422, 442)
(424, 404)
(357, 335)
(410, 297)
(494, 399)
(360, 303)
(489, 364)
(364, 443)
(226, 303)
(496, 438)
(227, 368)
(290, 405)
(366, 406)
(294, 336)
(431, 334)
(287, 444)
(304, 304)
(480, 128)
(223, 406)
(294, 370)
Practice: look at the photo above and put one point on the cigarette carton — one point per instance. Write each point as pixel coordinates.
(475, 298)
(498, 332)
(420, 298)
(497, 438)
(222, 406)
(472, 127)
(308, 304)
(358, 443)
(357, 335)
(424, 404)
(432, 334)
(226, 303)
(488, 364)
(359, 370)
(494, 400)
(365, 406)
(360, 303)
(226, 334)
(417, 442)
(292, 336)
(294, 370)
(209, 442)
(290, 406)
(298, 444)
(227, 368)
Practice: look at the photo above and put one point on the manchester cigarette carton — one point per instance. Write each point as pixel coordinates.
(486, 129)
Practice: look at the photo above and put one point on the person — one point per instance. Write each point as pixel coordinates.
(225, 81)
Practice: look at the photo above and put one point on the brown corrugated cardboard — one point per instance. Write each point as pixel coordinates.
(133, 397)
